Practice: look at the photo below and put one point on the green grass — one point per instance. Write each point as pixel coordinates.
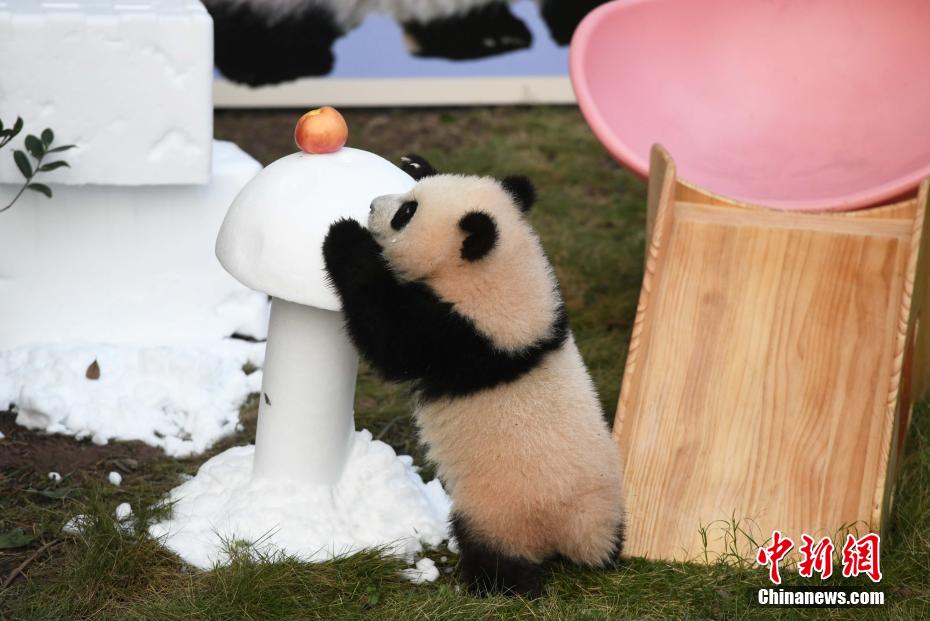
(590, 217)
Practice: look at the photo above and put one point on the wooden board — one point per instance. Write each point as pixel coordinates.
(762, 382)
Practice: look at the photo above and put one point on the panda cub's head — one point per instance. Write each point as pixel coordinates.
(452, 221)
(466, 238)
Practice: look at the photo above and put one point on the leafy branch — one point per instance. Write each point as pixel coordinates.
(7, 135)
(38, 148)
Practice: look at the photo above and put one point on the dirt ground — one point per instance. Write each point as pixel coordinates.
(27, 456)
(36, 451)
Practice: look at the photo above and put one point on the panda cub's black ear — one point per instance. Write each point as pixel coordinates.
(480, 235)
(416, 166)
(522, 190)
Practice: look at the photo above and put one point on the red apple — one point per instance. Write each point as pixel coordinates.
(321, 131)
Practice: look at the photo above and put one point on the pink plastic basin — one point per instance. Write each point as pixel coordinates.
(794, 104)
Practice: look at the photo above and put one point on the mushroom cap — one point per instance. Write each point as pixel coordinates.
(272, 237)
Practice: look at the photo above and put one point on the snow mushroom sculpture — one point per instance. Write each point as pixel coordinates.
(271, 241)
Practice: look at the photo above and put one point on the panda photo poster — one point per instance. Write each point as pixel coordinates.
(393, 52)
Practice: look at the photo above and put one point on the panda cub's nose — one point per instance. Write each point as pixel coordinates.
(383, 201)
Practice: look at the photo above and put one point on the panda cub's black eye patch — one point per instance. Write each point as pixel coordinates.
(403, 215)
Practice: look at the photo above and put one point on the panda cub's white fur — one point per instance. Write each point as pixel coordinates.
(462, 300)
(530, 465)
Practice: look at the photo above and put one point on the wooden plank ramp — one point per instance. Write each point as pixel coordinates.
(772, 368)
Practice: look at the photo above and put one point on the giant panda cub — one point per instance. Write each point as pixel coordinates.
(449, 288)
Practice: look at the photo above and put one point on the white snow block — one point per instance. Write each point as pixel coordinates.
(379, 502)
(128, 81)
(120, 265)
(179, 399)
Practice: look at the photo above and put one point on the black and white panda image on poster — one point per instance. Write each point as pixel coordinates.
(262, 42)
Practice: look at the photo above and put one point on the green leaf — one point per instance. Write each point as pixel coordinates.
(1, 125)
(41, 188)
(48, 136)
(15, 538)
(17, 126)
(59, 492)
(61, 148)
(53, 165)
(34, 146)
(62, 492)
(22, 162)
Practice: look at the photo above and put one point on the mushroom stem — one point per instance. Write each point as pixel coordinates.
(305, 412)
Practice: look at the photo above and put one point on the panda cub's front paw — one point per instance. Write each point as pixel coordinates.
(342, 241)
(347, 248)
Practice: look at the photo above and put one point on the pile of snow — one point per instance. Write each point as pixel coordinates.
(182, 399)
(123, 512)
(380, 501)
(76, 525)
(424, 571)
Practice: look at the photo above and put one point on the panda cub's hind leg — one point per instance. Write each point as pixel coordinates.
(486, 571)
(592, 538)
